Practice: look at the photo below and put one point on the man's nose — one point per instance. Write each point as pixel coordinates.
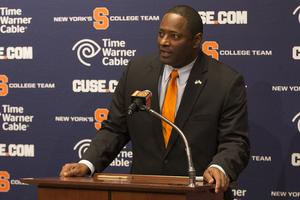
(165, 41)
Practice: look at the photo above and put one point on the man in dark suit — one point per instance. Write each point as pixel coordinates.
(211, 110)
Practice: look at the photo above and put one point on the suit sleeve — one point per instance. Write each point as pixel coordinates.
(233, 134)
(113, 135)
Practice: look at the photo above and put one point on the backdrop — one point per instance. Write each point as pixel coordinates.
(60, 62)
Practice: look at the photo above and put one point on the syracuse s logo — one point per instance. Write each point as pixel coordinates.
(298, 124)
(3, 85)
(4, 182)
(210, 48)
(86, 48)
(102, 21)
(295, 11)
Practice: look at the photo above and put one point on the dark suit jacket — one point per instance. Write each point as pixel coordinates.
(212, 115)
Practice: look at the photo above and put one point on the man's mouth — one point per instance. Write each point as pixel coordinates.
(165, 53)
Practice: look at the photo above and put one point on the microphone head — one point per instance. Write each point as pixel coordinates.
(150, 93)
(144, 95)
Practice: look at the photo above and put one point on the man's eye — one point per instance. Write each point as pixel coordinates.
(175, 36)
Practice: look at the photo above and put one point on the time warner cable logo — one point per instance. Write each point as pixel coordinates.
(82, 146)
(295, 11)
(294, 119)
(114, 52)
(88, 48)
(296, 49)
(295, 158)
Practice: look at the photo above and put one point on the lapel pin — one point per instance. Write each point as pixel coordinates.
(198, 82)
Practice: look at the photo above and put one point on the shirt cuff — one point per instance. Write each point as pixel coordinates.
(89, 165)
(220, 168)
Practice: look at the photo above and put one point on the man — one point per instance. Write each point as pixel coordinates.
(211, 110)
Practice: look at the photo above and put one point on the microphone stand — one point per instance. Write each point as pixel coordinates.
(191, 169)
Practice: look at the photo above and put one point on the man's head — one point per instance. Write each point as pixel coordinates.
(180, 36)
(194, 22)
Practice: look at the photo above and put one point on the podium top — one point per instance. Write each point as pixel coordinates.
(122, 182)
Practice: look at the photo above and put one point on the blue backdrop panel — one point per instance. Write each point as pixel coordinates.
(61, 61)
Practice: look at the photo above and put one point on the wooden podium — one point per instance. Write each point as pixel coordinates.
(121, 187)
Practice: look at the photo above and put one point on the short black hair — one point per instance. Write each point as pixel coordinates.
(194, 21)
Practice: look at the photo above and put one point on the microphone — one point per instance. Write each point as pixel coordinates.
(143, 102)
(138, 99)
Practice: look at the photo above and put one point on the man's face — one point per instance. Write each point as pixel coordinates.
(175, 42)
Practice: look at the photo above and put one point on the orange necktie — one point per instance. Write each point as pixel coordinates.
(169, 106)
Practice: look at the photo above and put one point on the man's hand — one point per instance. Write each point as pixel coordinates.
(214, 175)
(74, 169)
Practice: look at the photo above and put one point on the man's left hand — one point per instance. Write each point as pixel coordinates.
(214, 175)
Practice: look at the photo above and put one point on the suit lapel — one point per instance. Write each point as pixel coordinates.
(194, 86)
(152, 85)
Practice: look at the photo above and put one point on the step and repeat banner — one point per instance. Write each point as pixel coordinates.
(60, 62)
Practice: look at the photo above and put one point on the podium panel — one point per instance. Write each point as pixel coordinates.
(165, 196)
(49, 193)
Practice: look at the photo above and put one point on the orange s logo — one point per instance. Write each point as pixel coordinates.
(3, 85)
(4, 183)
(100, 115)
(142, 94)
(102, 21)
(209, 48)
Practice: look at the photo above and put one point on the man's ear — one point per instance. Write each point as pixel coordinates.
(197, 40)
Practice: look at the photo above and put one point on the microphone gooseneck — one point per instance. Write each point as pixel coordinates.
(191, 169)
(139, 104)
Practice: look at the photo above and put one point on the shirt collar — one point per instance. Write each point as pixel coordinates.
(183, 72)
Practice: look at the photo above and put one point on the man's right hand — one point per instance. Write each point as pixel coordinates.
(74, 169)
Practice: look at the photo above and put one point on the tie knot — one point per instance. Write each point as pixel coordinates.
(174, 74)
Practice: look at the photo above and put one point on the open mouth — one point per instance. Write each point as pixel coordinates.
(165, 53)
